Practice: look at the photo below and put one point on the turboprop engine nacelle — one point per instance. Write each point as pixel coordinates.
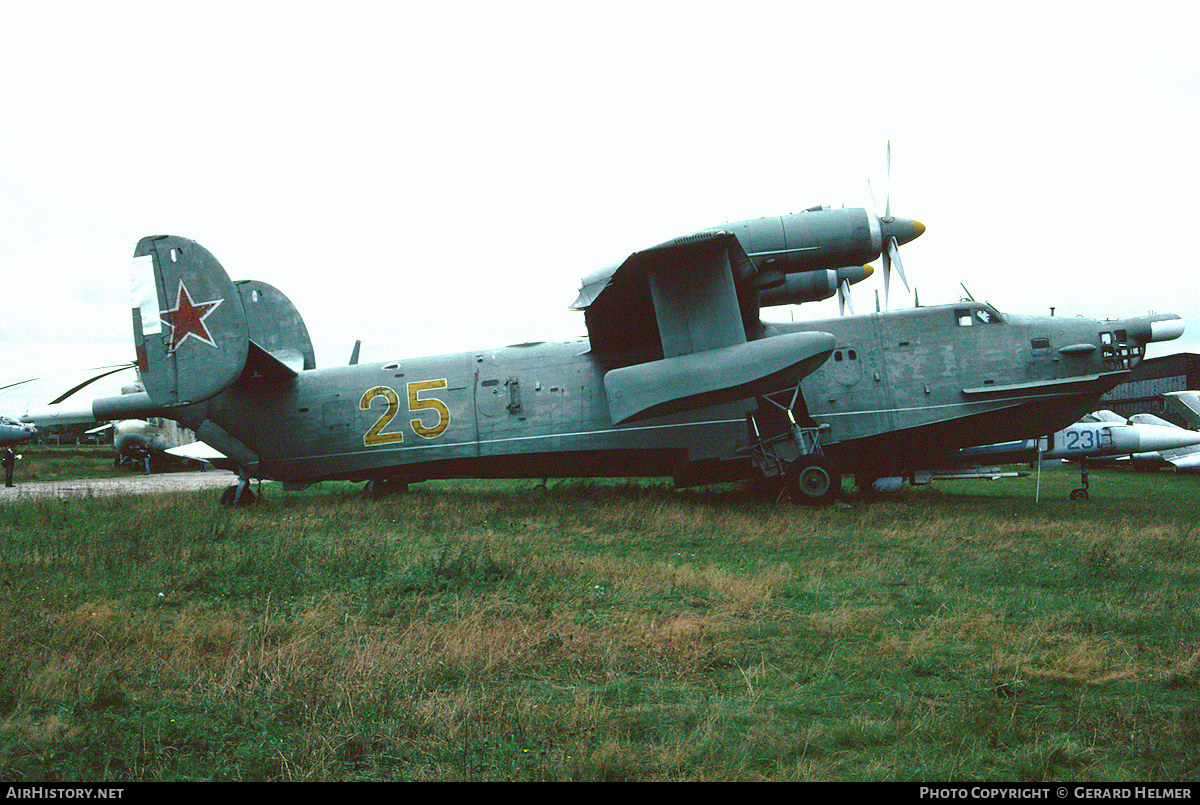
(820, 239)
(807, 286)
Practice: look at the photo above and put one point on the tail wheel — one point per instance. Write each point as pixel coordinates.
(379, 489)
(812, 479)
(229, 496)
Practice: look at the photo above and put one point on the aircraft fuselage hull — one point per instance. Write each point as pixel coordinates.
(901, 388)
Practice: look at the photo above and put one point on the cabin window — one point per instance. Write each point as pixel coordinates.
(837, 356)
(984, 316)
(1122, 336)
(853, 355)
(963, 316)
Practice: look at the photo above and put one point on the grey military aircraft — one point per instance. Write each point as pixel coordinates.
(1181, 459)
(1180, 447)
(679, 375)
(1099, 436)
(13, 432)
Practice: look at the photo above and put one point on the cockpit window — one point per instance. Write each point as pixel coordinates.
(965, 316)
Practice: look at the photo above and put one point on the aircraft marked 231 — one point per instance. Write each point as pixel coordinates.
(376, 435)
(1085, 440)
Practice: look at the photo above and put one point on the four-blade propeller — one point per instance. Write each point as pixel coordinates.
(894, 231)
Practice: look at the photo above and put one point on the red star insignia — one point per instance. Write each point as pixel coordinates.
(187, 319)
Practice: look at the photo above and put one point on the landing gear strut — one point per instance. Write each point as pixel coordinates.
(1082, 492)
(792, 462)
(240, 494)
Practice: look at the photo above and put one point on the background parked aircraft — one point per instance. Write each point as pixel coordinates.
(1099, 435)
(139, 443)
(14, 432)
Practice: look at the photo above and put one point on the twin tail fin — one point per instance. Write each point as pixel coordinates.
(196, 332)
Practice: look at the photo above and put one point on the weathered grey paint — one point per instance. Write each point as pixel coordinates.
(896, 390)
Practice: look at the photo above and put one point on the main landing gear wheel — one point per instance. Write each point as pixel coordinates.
(812, 480)
(1082, 492)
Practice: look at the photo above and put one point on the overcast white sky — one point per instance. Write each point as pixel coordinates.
(437, 177)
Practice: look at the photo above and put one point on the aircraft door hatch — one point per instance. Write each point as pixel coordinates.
(491, 396)
(1042, 362)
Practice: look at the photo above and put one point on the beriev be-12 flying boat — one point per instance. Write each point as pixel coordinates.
(679, 375)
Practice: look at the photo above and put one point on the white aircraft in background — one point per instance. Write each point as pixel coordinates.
(1101, 435)
(1183, 459)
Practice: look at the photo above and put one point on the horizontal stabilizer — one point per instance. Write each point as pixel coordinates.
(715, 376)
(197, 451)
(101, 409)
(1184, 461)
(281, 365)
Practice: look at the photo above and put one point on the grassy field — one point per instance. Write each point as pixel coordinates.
(606, 631)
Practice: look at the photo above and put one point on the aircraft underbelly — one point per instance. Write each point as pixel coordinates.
(650, 448)
(920, 445)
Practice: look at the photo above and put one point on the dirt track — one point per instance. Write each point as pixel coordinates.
(133, 485)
